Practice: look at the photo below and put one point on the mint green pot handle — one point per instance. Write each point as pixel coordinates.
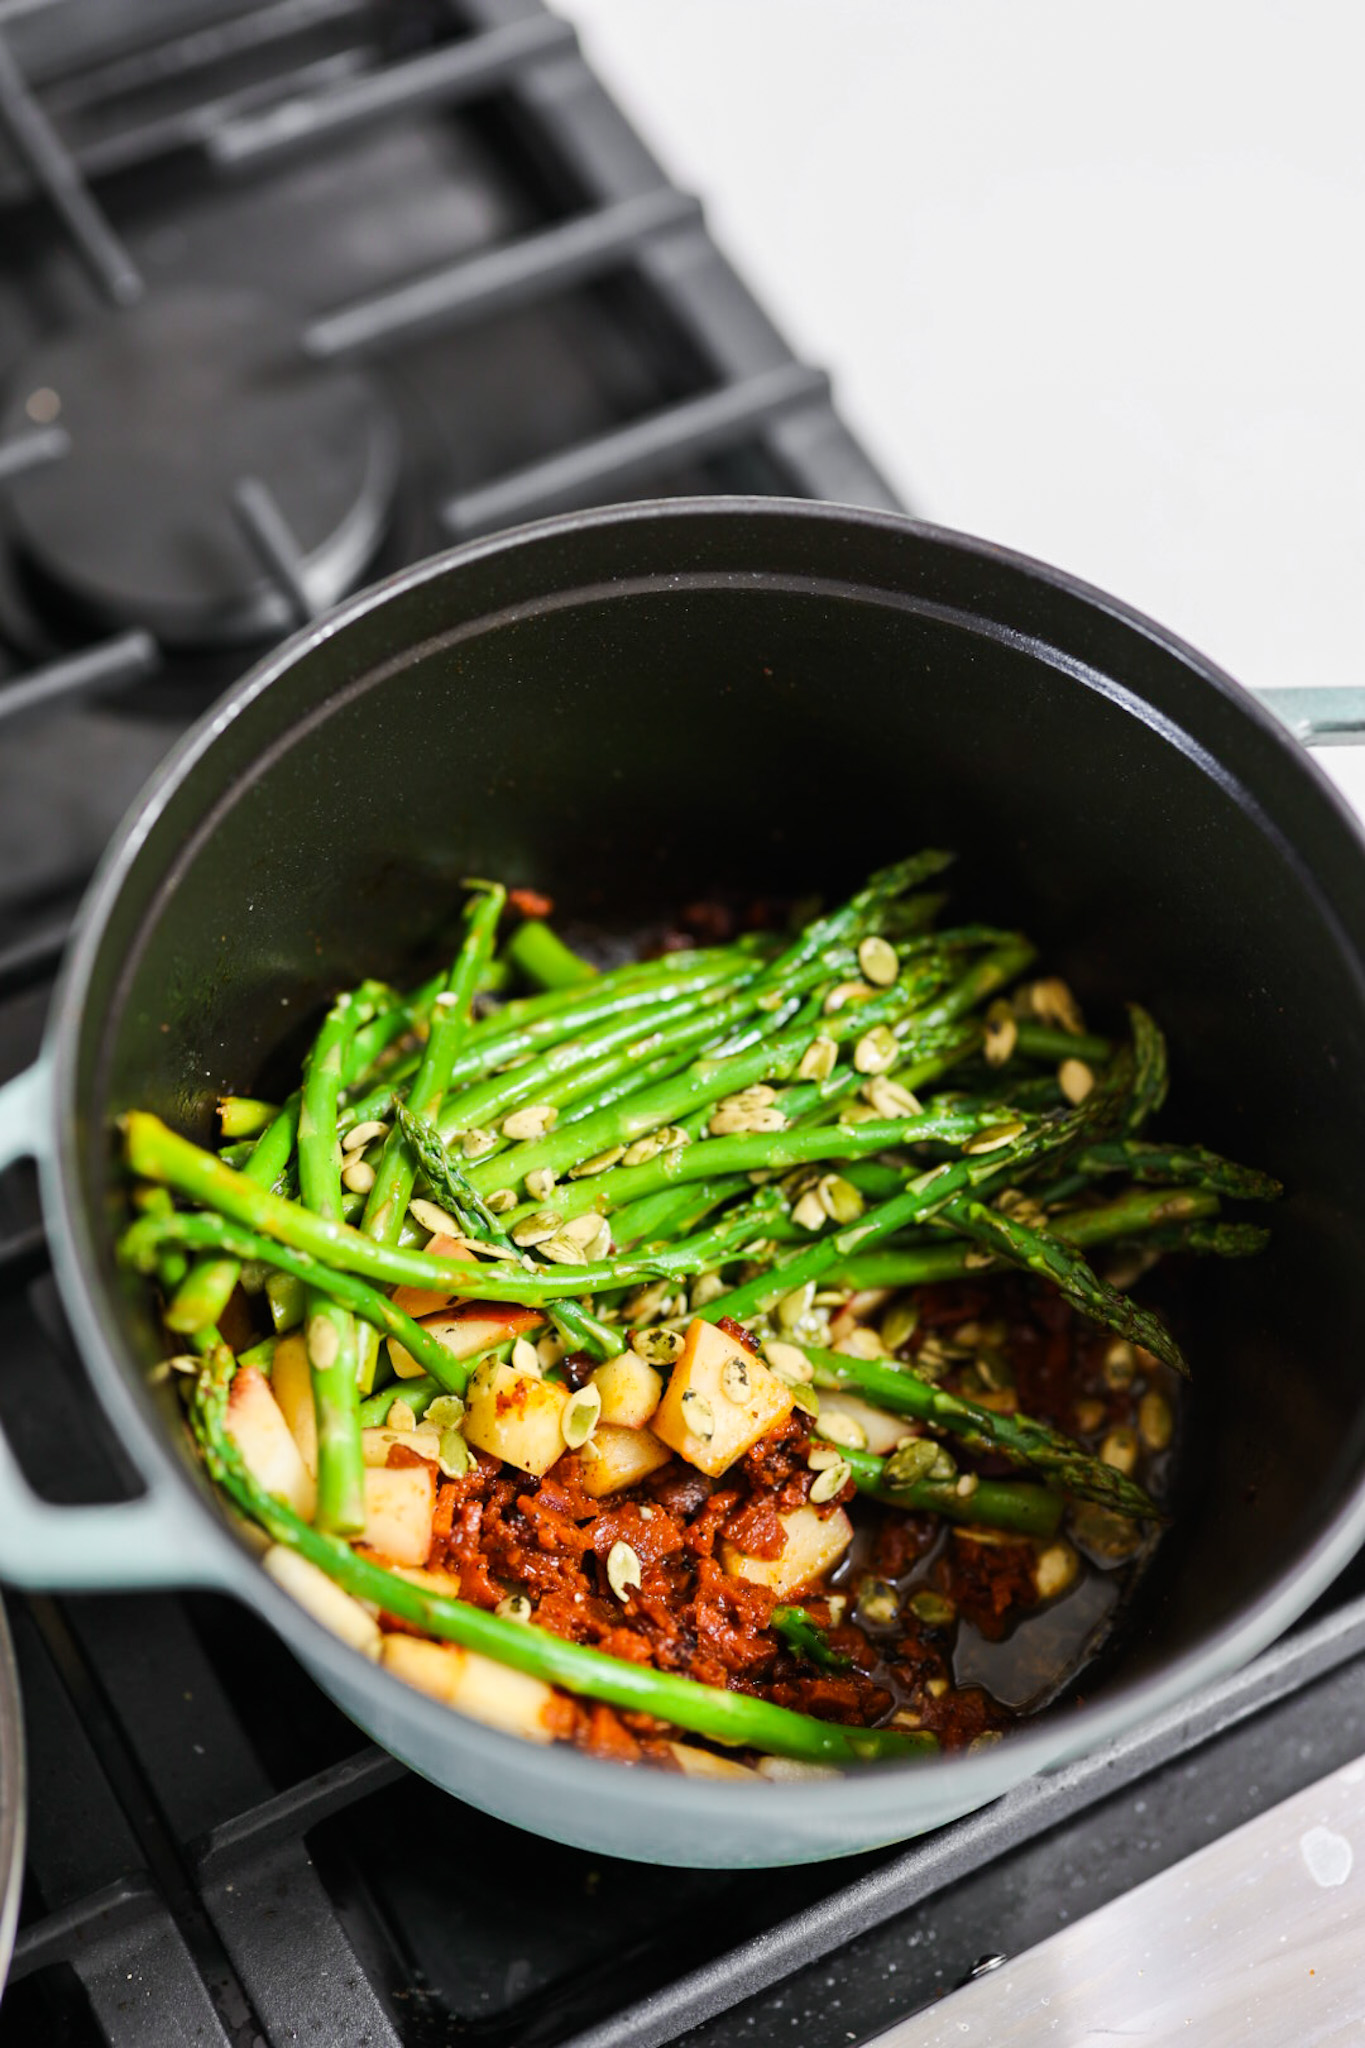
(164, 1538)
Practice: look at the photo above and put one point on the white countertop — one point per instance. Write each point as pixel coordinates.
(1089, 279)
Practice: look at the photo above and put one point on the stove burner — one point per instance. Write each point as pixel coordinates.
(169, 406)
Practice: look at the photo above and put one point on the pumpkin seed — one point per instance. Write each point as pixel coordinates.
(845, 992)
(876, 1050)
(563, 1250)
(842, 1429)
(599, 1163)
(818, 1060)
(358, 1176)
(823, 1457)
(1088, 1416)
(877, 1603)
(935, 1610)
(839, 1199)
(657, 1347)
(1075, 1079)
(445, 1412)
(809, 1212)
(707, 1287)
(795, 1305)
(877, 958)
(858, 1113)
(582, 1411)
(698, 1415)
(1054, 1569)
(536, 1228)
(921, 1459)
(1001, 1036)
(1120, 1364)
(831, 1483)
(1052, 1002)
(433, 1218)
(525, 1358)
(785, 1360)
(539, 1182)
(1022, 1207)
(900, 1322)
(361, 1135)
(549, 1350)
(804, 1398)
(623, 1570)
(862, 1343)
(890, 1100)
(993, 1137)
(501, 1200)
(402, 1416)
(1156, 1424)
(531, 1122)
(475, 1143)
(735, 1382)
(966, 1485)
(516, 1607)
(453, 1457)
(1120, 1448)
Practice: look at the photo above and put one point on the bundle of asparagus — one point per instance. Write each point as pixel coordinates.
(692, 1179)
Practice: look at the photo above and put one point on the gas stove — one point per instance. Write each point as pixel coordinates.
(291, 294)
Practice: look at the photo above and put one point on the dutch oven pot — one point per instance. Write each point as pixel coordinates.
(634, 707)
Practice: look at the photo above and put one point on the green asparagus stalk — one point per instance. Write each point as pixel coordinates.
(1025, 1510)
(732, 1717)
(542, 956)
(331, 1332)
(804, 1637)
(1178, 1166)
(243, 1116)
(901, 1391)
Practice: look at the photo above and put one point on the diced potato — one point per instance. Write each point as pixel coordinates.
(375, 1443)
(291, 1382)
(267, 1445)
(445, 1583)
(419, 1302)
(623, 1458)
(630, 1390)
(515, 1416)
(466, 1330)
(791, 1770)
(310, 1586)
(815, 1543)
(400, 1507)
(883, 1431)
(719, 1401)
(704, 1763)
(475, 1685)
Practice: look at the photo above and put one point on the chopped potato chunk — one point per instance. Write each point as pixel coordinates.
(704, 1763)
(475, 1685)
(630, 1390)
(815, 1543)
(267, 1445)
(616, 1457)
(400, 1506)
(291, 1382)
(419, 1302)
(310, 1586)
(466, 1330)
(515, 1416)
(719, 1401)
(375, 1443)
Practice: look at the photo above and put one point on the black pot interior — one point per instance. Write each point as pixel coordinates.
(779, 701)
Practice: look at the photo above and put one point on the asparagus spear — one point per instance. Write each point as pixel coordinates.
(803, 1635)
(1179, 1165)
(901, 1390)
(1023, 1509)
(331, 1330)
(141, 1246)
(732, 1717)
(542, 956)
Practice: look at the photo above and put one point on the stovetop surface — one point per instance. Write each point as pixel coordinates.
(438, 204)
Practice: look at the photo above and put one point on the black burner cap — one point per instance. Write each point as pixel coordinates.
(169, 406)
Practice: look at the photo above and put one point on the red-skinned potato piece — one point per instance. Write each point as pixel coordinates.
(467, 1330)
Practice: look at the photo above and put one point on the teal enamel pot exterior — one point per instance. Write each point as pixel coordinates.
(634, 706)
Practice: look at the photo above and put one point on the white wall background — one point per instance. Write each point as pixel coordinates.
(1090, 277)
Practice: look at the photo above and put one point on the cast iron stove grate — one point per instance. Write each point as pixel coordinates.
(499, 307)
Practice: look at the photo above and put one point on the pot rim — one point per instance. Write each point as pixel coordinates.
(865, 1797)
